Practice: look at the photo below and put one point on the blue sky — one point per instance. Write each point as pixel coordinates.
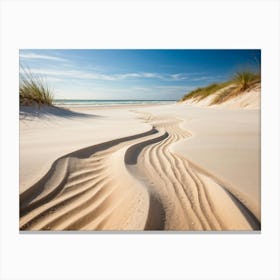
(134, 74)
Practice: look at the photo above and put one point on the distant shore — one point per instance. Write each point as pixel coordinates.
(108, 103)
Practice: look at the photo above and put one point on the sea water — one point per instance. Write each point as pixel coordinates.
(77, 102)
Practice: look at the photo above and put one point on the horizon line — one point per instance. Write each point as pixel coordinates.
(117, 99)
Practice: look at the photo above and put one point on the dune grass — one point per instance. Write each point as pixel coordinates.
(240, 82)
(224, 95)
(201, 93)
(33, 90)
(245, 79)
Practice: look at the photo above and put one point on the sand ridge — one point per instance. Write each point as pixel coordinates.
(132, 183)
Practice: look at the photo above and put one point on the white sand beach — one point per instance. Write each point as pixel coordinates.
(166, 167)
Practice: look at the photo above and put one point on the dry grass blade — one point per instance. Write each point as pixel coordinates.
(33, 89)
(245, 79)
(201, 93)
(242, 81)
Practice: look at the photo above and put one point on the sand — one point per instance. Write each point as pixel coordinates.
(249, 100)
(166, 167)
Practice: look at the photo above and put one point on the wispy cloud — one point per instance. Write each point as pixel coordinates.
(127, 92)
(171, 87)
(209, 78)
(72, 74)
(179, 76)
(40, 56)
(77, 74)
(202, 78)
(139, 88)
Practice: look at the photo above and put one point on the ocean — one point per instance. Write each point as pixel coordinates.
(77, 102)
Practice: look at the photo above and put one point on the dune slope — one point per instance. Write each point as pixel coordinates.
(249, 99)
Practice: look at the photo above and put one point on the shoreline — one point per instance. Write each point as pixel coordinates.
(106, 107)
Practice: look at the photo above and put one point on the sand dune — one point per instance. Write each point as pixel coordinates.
(137, 182)
(250, 100)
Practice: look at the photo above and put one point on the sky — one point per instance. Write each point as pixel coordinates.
(134, 74)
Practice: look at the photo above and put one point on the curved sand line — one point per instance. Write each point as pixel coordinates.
(132, 183)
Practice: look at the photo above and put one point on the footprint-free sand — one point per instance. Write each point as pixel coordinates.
(165, 167)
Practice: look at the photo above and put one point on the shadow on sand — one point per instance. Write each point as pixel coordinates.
(29, 112)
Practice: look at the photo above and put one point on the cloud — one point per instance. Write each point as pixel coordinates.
(166, 77)
(209, 78)
(139, 88)
(125, 76)
(133, 93)
(89, 75)
(74, 74)
(152, 75)
(40, 56)
(171, 87)
(179, 76)
(203, 78)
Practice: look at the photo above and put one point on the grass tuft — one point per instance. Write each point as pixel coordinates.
(33, 89)
(201, 93)
(224, 95)
(241, 82)
(245, 79)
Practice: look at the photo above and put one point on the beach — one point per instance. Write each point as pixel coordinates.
(147, 167)
(140, 140)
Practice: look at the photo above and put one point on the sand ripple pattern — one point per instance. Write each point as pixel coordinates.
(132, 183)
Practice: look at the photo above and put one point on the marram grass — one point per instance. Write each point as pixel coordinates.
(245, 79)
(33, 90)
(241, 82)
(201, 93)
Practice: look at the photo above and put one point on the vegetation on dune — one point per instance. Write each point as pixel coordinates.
(246, 79)
(240, 82)
(33, 90)
(201, 93)
(224, 95)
